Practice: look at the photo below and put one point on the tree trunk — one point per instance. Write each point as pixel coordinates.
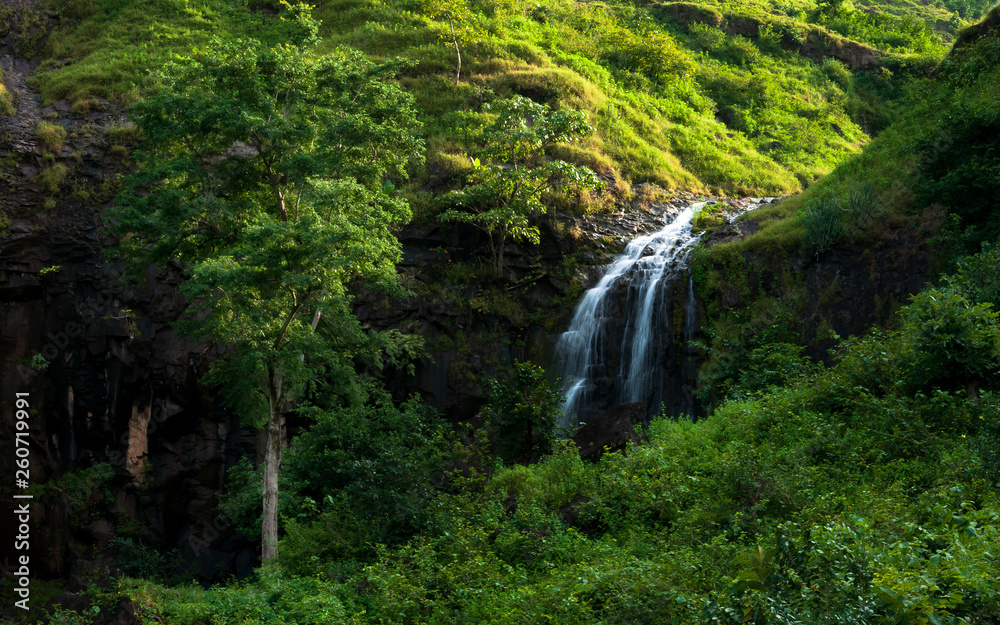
(272, 462)
(458, 53)
(972, 391)
(501, 239)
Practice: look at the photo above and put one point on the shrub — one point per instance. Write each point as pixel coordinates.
(861, 204)
(360, 476)
(977, 276)
(51, 135)
(824, 224)
(523, 412)
(950, 342)
(773, 364)
(51, 177)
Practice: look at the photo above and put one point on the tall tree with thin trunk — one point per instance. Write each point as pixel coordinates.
(503, 195)
(266, 171)
(461, 26)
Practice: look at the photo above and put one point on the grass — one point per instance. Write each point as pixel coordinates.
(686, 105)
(6, 99)
(925, 188)
(51, 136)
(51, 177)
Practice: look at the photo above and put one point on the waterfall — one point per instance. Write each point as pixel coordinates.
(619, 341)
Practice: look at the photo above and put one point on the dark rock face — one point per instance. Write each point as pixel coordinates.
(610, 430)
(843, 291)
(124, 439)
(120, 388)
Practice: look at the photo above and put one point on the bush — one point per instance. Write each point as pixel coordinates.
(523, 413)
(978, 277)
(360, 476)
(861, 204)
(51, 177)
(950, 342)
(773, 364)
(51, 135)
(824, 223)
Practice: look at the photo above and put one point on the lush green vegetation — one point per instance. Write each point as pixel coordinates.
(929, 180)
(864, 492)
(736, 97)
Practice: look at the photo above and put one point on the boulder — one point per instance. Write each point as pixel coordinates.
(610, 430)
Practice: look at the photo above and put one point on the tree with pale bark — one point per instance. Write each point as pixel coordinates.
(267, 172)
(462, 28)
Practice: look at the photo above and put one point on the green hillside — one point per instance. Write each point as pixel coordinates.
(837, 479)
(734, 98)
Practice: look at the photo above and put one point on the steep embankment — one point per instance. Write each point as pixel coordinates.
(124, 441)
(734, 98)
(842, 256)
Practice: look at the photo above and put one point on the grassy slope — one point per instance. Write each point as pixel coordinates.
(931, 176)
(682, 104)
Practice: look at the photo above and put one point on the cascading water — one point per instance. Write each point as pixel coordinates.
(629, 308)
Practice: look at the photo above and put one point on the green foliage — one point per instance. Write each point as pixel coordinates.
(772, 364)
(861, 204)
(278, 226)
(977, 277)
(360, 476)
(959, 156)
(951, 342)
(504, 193)
(79, 487)
(51, 136)
(462, 26)
(639, 51)
(880, 29)
(241, 500)
(824, 223)
(710, 216)
(835, 495)
(51, 177)
(749, 118)
(523, 412)
(136, 559)
(264, 170)
(987, 443)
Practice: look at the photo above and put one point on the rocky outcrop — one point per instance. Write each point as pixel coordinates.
(610, 430)
(124, 440)
(808, 40)
(843, 291)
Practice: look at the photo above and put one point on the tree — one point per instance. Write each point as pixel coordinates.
(461, 26)
(523, 412)
(950, 342)
(504, 192)
(265, 170)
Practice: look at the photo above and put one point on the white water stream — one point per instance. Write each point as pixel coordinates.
(621, 345)
(648, 263)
